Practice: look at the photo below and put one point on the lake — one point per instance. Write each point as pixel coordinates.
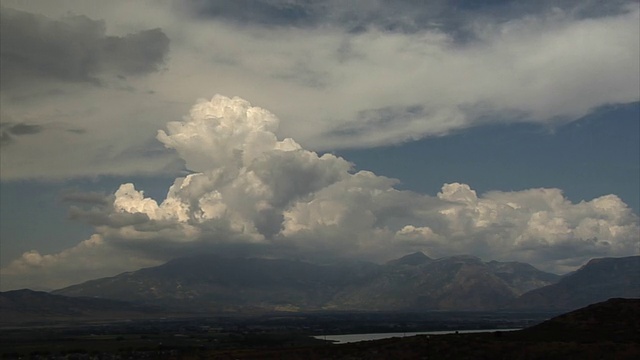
(350, 338)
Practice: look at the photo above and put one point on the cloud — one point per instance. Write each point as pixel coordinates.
(339, 76)
(9, 131)
(250, 193)
(74, 48)
(94, 88)
(84, 197)
(66, 83)
(406, 16)
(539, 226)
(83, 262)
(263, 12)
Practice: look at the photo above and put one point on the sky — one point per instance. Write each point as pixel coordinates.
(132, 133)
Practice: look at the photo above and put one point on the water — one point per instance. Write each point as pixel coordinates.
(350, 338)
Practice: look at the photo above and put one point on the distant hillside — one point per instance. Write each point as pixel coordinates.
(522, 277)
(27, 306)
(211, 283)
(598, 280)
(613, 320)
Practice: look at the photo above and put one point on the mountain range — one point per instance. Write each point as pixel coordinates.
(31, 307)
(212, 283)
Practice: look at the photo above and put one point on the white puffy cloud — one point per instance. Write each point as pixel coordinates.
(252, 194)
(540, 226)
(333, 87)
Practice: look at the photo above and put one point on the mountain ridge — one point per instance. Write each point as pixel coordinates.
(414, 282)
(598, 280)
(26, 306)
(210, 283)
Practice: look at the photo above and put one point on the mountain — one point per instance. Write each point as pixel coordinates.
(216, 283)
(452, 283)
(596, 281)
(417, 258)
(522, 277)
(28, 306)
(211, 283)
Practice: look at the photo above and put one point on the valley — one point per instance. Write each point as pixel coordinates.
(603, 330)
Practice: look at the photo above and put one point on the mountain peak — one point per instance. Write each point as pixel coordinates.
(416, 258)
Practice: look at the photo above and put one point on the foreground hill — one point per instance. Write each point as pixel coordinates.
(598, 280)
(414, 282)
(612, 320)
(27, 306)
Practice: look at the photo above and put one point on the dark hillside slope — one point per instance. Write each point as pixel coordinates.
(616, 320)
(598, 280)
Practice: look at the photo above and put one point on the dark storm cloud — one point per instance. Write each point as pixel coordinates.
(8, 131)
(102, 216)
(96, 209)
(451, 16)
(137, 53)
(265, 12)
(24, 129)
(84, 197)
(72, 49)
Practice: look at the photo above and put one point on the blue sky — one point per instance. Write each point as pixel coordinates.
(503, 129)
(594, 156)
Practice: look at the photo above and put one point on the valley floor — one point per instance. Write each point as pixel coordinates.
(291, 336)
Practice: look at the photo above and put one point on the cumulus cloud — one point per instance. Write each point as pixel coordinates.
(253, 194)
(338, 75)
(539, 226)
